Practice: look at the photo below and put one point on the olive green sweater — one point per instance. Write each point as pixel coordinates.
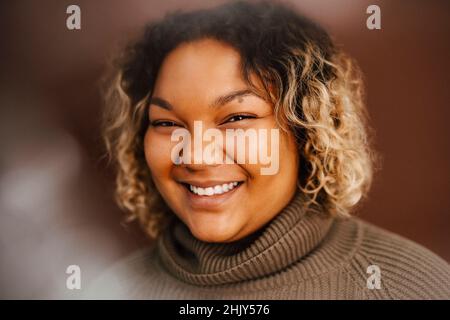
(298, 255)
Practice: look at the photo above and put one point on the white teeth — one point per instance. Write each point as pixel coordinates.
(210, 191)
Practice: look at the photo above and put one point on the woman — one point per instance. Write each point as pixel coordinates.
(241, 227)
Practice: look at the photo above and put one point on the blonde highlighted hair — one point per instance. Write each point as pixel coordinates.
(316, 91)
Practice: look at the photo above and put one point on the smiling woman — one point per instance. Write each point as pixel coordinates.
(193, 77)
(224, 230)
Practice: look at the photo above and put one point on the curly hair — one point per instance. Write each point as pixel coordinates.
(315, 89)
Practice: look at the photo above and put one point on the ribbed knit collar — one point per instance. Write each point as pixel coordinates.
(288, 238)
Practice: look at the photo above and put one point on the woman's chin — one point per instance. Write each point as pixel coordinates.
(214, 226)
(216, 232)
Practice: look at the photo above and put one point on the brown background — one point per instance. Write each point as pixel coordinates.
(55, 190)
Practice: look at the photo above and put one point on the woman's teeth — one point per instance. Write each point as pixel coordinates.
(210, 191)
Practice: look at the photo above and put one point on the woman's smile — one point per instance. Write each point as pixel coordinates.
(209, 194)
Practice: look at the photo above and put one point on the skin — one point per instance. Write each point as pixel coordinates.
(190, 79)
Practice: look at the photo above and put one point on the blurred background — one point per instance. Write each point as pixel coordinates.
(56, 202)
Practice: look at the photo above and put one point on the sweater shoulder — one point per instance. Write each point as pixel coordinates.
(407, 269)
(121, 279)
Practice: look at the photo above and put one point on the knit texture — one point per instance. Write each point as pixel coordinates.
(300, 254)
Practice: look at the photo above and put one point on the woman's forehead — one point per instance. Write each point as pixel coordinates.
(203, 63)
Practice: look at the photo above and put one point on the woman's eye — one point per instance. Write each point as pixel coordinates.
(163, 124)
(239, 117)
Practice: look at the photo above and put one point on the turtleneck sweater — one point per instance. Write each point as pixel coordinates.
(300, 254)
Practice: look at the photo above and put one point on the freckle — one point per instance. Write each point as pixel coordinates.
(240, 99)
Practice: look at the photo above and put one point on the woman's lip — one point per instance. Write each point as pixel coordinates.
(207, 183)
(209, 202)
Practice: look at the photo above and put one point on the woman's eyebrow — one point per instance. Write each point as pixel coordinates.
(226, 98)
(218, 102)
(160, 102)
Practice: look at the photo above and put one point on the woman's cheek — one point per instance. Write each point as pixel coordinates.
(157, 153)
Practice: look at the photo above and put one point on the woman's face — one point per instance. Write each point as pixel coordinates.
(201, 81)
